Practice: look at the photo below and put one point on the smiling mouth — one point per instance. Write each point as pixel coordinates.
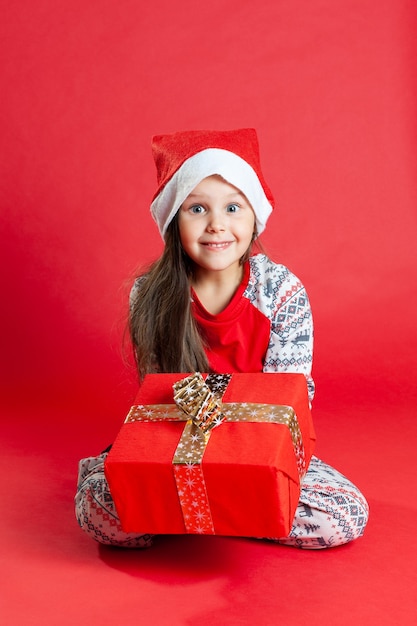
(217, 245)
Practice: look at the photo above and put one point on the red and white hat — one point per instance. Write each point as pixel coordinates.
(185, 158)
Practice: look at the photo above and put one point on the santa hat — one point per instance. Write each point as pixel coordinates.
(184, 158)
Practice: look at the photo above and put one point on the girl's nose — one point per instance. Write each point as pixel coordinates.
(216, 222)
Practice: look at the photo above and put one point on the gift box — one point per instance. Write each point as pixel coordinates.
(217, 454)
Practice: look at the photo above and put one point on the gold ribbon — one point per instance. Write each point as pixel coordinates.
(233, 412)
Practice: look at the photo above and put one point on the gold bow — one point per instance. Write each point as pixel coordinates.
(201, 400)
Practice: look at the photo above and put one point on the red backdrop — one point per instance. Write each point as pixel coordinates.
(330, 88)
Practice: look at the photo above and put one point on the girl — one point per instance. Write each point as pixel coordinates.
(208, 304)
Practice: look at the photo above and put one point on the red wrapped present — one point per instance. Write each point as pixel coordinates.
(219, 454)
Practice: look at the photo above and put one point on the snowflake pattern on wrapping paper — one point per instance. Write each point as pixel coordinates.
(189, 478)
(218, 383)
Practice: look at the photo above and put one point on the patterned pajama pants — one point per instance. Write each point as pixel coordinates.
(331, 510)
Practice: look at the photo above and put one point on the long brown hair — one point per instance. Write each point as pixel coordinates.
(164, 334)
(162, 329)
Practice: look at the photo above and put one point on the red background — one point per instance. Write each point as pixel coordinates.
(331, 89)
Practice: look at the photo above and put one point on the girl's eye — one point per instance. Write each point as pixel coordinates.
(233, 208)
(196, 209)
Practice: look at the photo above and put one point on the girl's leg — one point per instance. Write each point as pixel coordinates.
(95, 510)
(331, 510)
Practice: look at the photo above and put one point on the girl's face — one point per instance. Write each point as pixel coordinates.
(216, 225)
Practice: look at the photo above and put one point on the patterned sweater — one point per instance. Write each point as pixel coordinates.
(266, 327)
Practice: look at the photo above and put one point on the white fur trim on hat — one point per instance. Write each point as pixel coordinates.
(235, 170)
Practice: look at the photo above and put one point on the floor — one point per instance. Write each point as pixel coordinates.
(56, 575)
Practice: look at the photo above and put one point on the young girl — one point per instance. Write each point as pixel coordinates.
(208, 305)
